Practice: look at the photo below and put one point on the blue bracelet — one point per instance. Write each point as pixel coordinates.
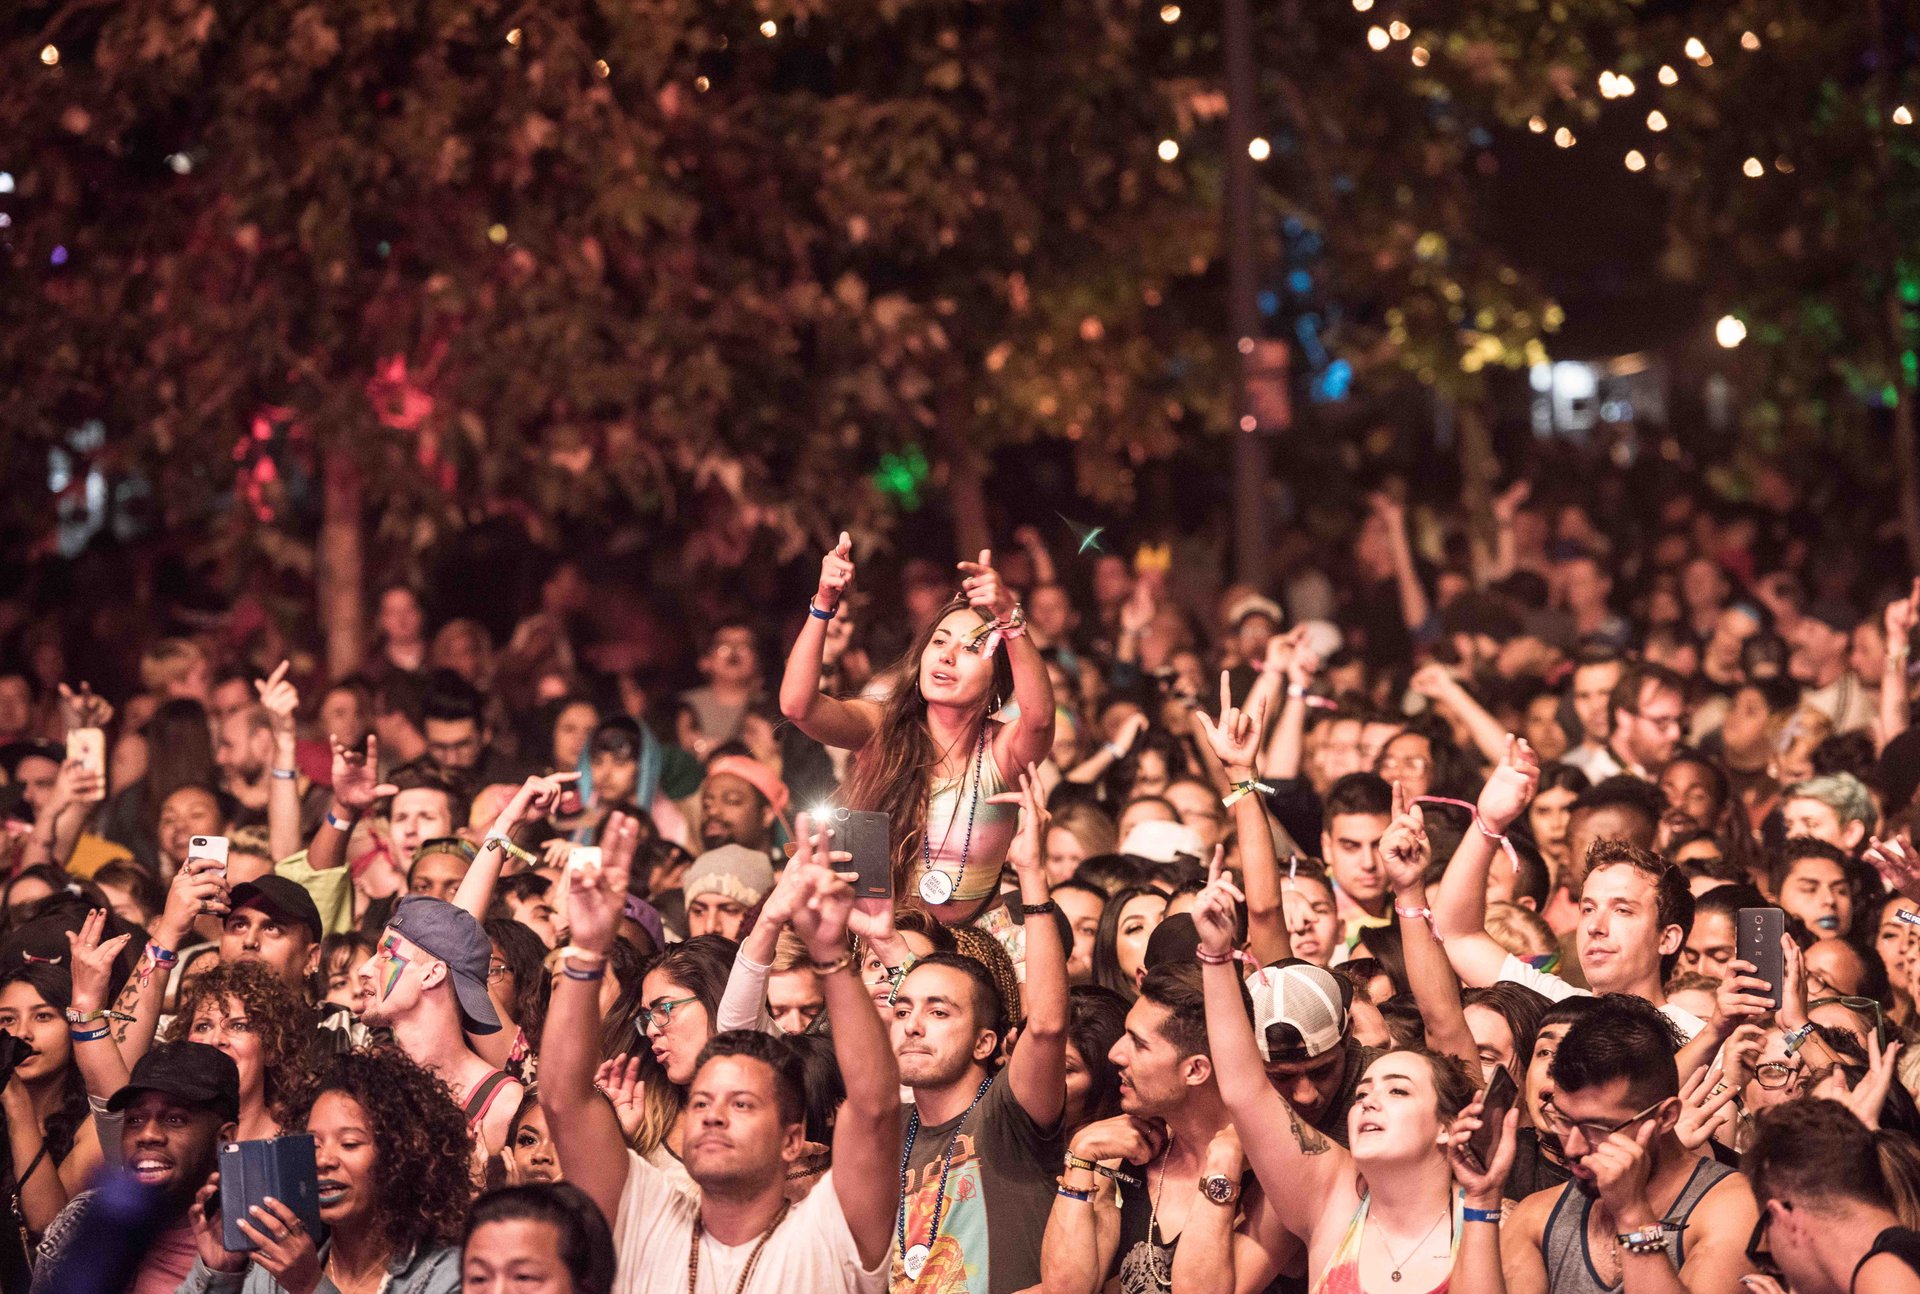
(1479, 1215)
(342, 825)
(818, 614)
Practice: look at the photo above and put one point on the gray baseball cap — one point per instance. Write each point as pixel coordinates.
(452, 935)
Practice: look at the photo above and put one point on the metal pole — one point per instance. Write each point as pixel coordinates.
(1249, 451)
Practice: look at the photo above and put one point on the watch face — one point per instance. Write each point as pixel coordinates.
(1218, 1188)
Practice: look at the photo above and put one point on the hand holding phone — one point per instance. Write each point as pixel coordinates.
(868, 836)
(88, 747)
(1757, 942)
(1493, 1116)
(251, 1171)
(214, 847)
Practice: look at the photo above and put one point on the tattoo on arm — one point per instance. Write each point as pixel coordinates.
(1309, 1141)
(127, 1003)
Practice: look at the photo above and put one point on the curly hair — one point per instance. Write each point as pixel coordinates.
(424, 1175)
(280, 1018)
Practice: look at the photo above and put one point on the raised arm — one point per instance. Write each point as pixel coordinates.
(199, 887)
(1029, 739)
(1234, 741)
(280, 700)
(586, 1131)
(743, 1005)
(1298, 1170)
(94, 1050)
(833, 722)
(1035, 547)
(356, 788)
(866, 1136)
(1415, 610)
(1095, 766)
(1438, 685)
(1037, 1073)
(1895, 699)
(1476, 1265)
(533, 801)
(1282, 758)
(1405, 852)
(63, 815)
(1460, 912)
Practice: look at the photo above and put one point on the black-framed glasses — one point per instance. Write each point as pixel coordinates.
(660, 1013)
(1776, 1074)
(1759, 1248)
(1594, 1131)
(1860, 1006)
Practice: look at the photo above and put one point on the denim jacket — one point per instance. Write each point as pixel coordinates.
(430, 1271)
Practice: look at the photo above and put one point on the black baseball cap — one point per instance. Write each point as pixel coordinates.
(277, 896)
(14, 752)
(451, 934)
(192, 1071)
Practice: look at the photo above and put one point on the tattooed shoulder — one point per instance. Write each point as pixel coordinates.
(1309, 1141)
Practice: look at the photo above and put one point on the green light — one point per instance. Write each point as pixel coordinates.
(902, 475)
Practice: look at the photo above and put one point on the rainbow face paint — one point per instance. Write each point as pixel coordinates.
(397, 963)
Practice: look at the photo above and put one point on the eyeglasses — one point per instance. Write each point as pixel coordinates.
(1664, 722)
(1595, 1132)
(1404, 764)
(660, 1013)
(1860, 1005)
(1776, 1074)
(1759, 1252)
(496, 971)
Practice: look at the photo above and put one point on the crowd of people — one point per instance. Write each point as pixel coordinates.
(1540, 915)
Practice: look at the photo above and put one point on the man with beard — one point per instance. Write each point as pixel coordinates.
(740, 801)
(744, 1121)
(181, 1103)
(1642, 1213)
(1201, 1212)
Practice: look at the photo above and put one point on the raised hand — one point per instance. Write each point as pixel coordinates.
(1481, 1183)
(92, 961)
(1706, 1106)
(1028, 852)
(597, 894)
(1388, 509)
(1869, 1096)
(283, 1246)
(1510, 787)
(1898, 864)
(537, 797)
(199, 889)
(1620, 1166)
(1235, 736)
(1507, 503)
(1129, 732)
(1903, 614)
(84, 709)
(356, 778)
(821, 917)
(983, 588)
(279, 699)
(1216, 911)
(1741, 996)
(1138, 611)
(1433, 681)
(204, 1216)
(836, 574)
(619, 1081)
(74, 786)
(1404, 848)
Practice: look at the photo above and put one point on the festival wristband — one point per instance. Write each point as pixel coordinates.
(1470, 1214)
(342, 825)
(1038, 909)
(510, 849)
(98, 1013)
(284, 774)
(162, 956)
(1068, 1193)
(818, 614)
(833, 967)
(1111, 1174)
(1212, 959)
(1420, 914)
(1241, 790)
(584, 976)
(90, 1035)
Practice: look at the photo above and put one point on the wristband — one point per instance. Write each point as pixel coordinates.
(284, 774)
(1470, 1214)
(1796, 1038)
(1111, 1174)
(162, 956)
(587, 955)
(1420, 914)
(98, 1013)
(342, 825)
(833, 967)
(818, 614)
(1211, 959)
(90, 1035)
(1296, 690)
(1067, 1192)
(509, 848)
(1241, 790)
(1038, 909)
(1650, 1239)
(1113, 751)
(585, 976)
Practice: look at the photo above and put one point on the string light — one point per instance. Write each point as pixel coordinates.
(769, 29)
(496, 234)
(1667, 76)
(1656, 121)
(1783, 166)
(601, 69)
(1752, 168)
(1362, 6)
(1169, 149)
(6, 181)
(1259, 149)
(1564, 137)
(1749, 40)
(1169, 13)
(1377, 38)
(50, 55)
(1623, 86)
(1538, 125)
(1902, 117)
(1606, 84)
(1399, 30)
(1729, 331)
(1695, 50)
(702, 84)
(513, 37)
(1420, 56)
(1636, 160)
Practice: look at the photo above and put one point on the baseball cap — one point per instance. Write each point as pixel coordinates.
(1163, 842)
(741, 874)
(452, 935)
(14, 752)
(279, 897)
(192, 1071)
(1299, 1010)
(1254, 605)
(1834, 614)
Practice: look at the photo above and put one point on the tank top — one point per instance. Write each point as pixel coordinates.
(948, 803)
(1570, 1267)
(1342, 1275)
(1143, 1260)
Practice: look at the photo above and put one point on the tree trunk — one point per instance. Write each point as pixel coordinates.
(1478, 470)
(339, 588)
(966, 476)
(1908, 469)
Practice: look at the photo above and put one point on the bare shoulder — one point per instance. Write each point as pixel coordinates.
(1528, 1217)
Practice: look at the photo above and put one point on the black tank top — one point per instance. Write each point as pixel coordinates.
(1898, 1241)
(1143, 1260)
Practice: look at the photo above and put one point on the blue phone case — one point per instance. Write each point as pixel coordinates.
(252, 1170)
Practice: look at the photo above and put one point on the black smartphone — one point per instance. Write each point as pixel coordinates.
(250, 1171)
(1493, 1114)
(1757, 941)
(868, 836)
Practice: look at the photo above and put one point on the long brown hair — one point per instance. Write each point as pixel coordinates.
(893, 772)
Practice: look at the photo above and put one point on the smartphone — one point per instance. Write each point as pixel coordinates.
(868, 836)
(1757, 941)
(250, 1171)
(1493, 1114)
(89, 746)
(208, 847)
(582, 857)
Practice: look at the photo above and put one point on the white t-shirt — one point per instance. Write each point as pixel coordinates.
(1555, 989)
(811, 1251)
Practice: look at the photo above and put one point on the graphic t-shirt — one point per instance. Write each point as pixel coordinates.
(999, 1192)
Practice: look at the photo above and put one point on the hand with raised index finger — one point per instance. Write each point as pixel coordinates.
(983, 589)
(836, 574)
(280, 699)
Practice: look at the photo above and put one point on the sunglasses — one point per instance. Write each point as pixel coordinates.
(447, 845)
(1865, 1006)
(1759, 1251)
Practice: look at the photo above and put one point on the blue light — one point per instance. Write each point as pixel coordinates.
(1269, 302)
(1299, 282)
(59, 256)
(1293, 227)
(1332, 384)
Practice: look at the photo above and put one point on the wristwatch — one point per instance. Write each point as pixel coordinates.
(1218, 1188)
